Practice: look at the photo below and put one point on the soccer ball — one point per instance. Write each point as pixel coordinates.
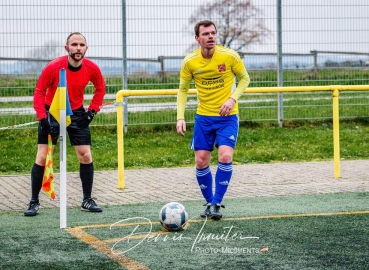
(173, 216)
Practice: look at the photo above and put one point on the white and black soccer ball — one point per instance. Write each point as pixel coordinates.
(173, 216)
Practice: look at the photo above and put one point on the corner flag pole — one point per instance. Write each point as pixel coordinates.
(63, 148)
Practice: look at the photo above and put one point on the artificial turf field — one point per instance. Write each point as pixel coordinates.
(329, 231)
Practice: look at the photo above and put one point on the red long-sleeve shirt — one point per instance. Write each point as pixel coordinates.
(77, 80)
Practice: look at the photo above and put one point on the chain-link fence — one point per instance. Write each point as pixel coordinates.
(140, 45)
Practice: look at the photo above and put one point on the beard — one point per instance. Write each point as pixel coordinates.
(77, 58)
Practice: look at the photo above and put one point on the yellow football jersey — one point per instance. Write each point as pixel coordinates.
(214, 78)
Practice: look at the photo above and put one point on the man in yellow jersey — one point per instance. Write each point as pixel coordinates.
(213, 69)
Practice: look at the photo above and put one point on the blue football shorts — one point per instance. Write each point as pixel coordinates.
(214, 130)
(77, 136)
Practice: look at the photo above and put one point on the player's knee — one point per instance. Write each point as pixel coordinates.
(84, 154)
(202, 159)
(41, 158)
(225, 157)
(85, 158)
(225, 154)
(201, 162)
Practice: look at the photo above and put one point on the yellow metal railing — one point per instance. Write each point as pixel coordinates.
(335, 94)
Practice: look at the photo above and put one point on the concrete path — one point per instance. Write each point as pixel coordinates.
(179, 184)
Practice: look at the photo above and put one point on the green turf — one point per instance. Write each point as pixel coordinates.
(295, 242)
(256, 143)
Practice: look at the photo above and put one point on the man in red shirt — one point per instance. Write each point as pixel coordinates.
(79, 71)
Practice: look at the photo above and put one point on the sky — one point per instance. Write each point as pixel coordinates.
(161, 27)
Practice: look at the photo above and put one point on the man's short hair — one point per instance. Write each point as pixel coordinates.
(72, 34)
(204, 23)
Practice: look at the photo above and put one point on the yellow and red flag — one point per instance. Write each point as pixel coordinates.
(60, 103)
(48, 180)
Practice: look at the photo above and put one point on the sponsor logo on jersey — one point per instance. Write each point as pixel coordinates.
(212, 81)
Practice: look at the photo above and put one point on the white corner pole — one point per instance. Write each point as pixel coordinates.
(63, 149)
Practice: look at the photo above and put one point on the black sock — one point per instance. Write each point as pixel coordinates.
(86, 173)
(37, 175)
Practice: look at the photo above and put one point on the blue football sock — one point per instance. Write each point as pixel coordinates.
(222, 179)
(205, 180)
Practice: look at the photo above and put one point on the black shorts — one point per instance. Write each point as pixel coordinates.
(77, 136)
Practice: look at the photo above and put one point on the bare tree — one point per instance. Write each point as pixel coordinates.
(239, 22)
(42, 55)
